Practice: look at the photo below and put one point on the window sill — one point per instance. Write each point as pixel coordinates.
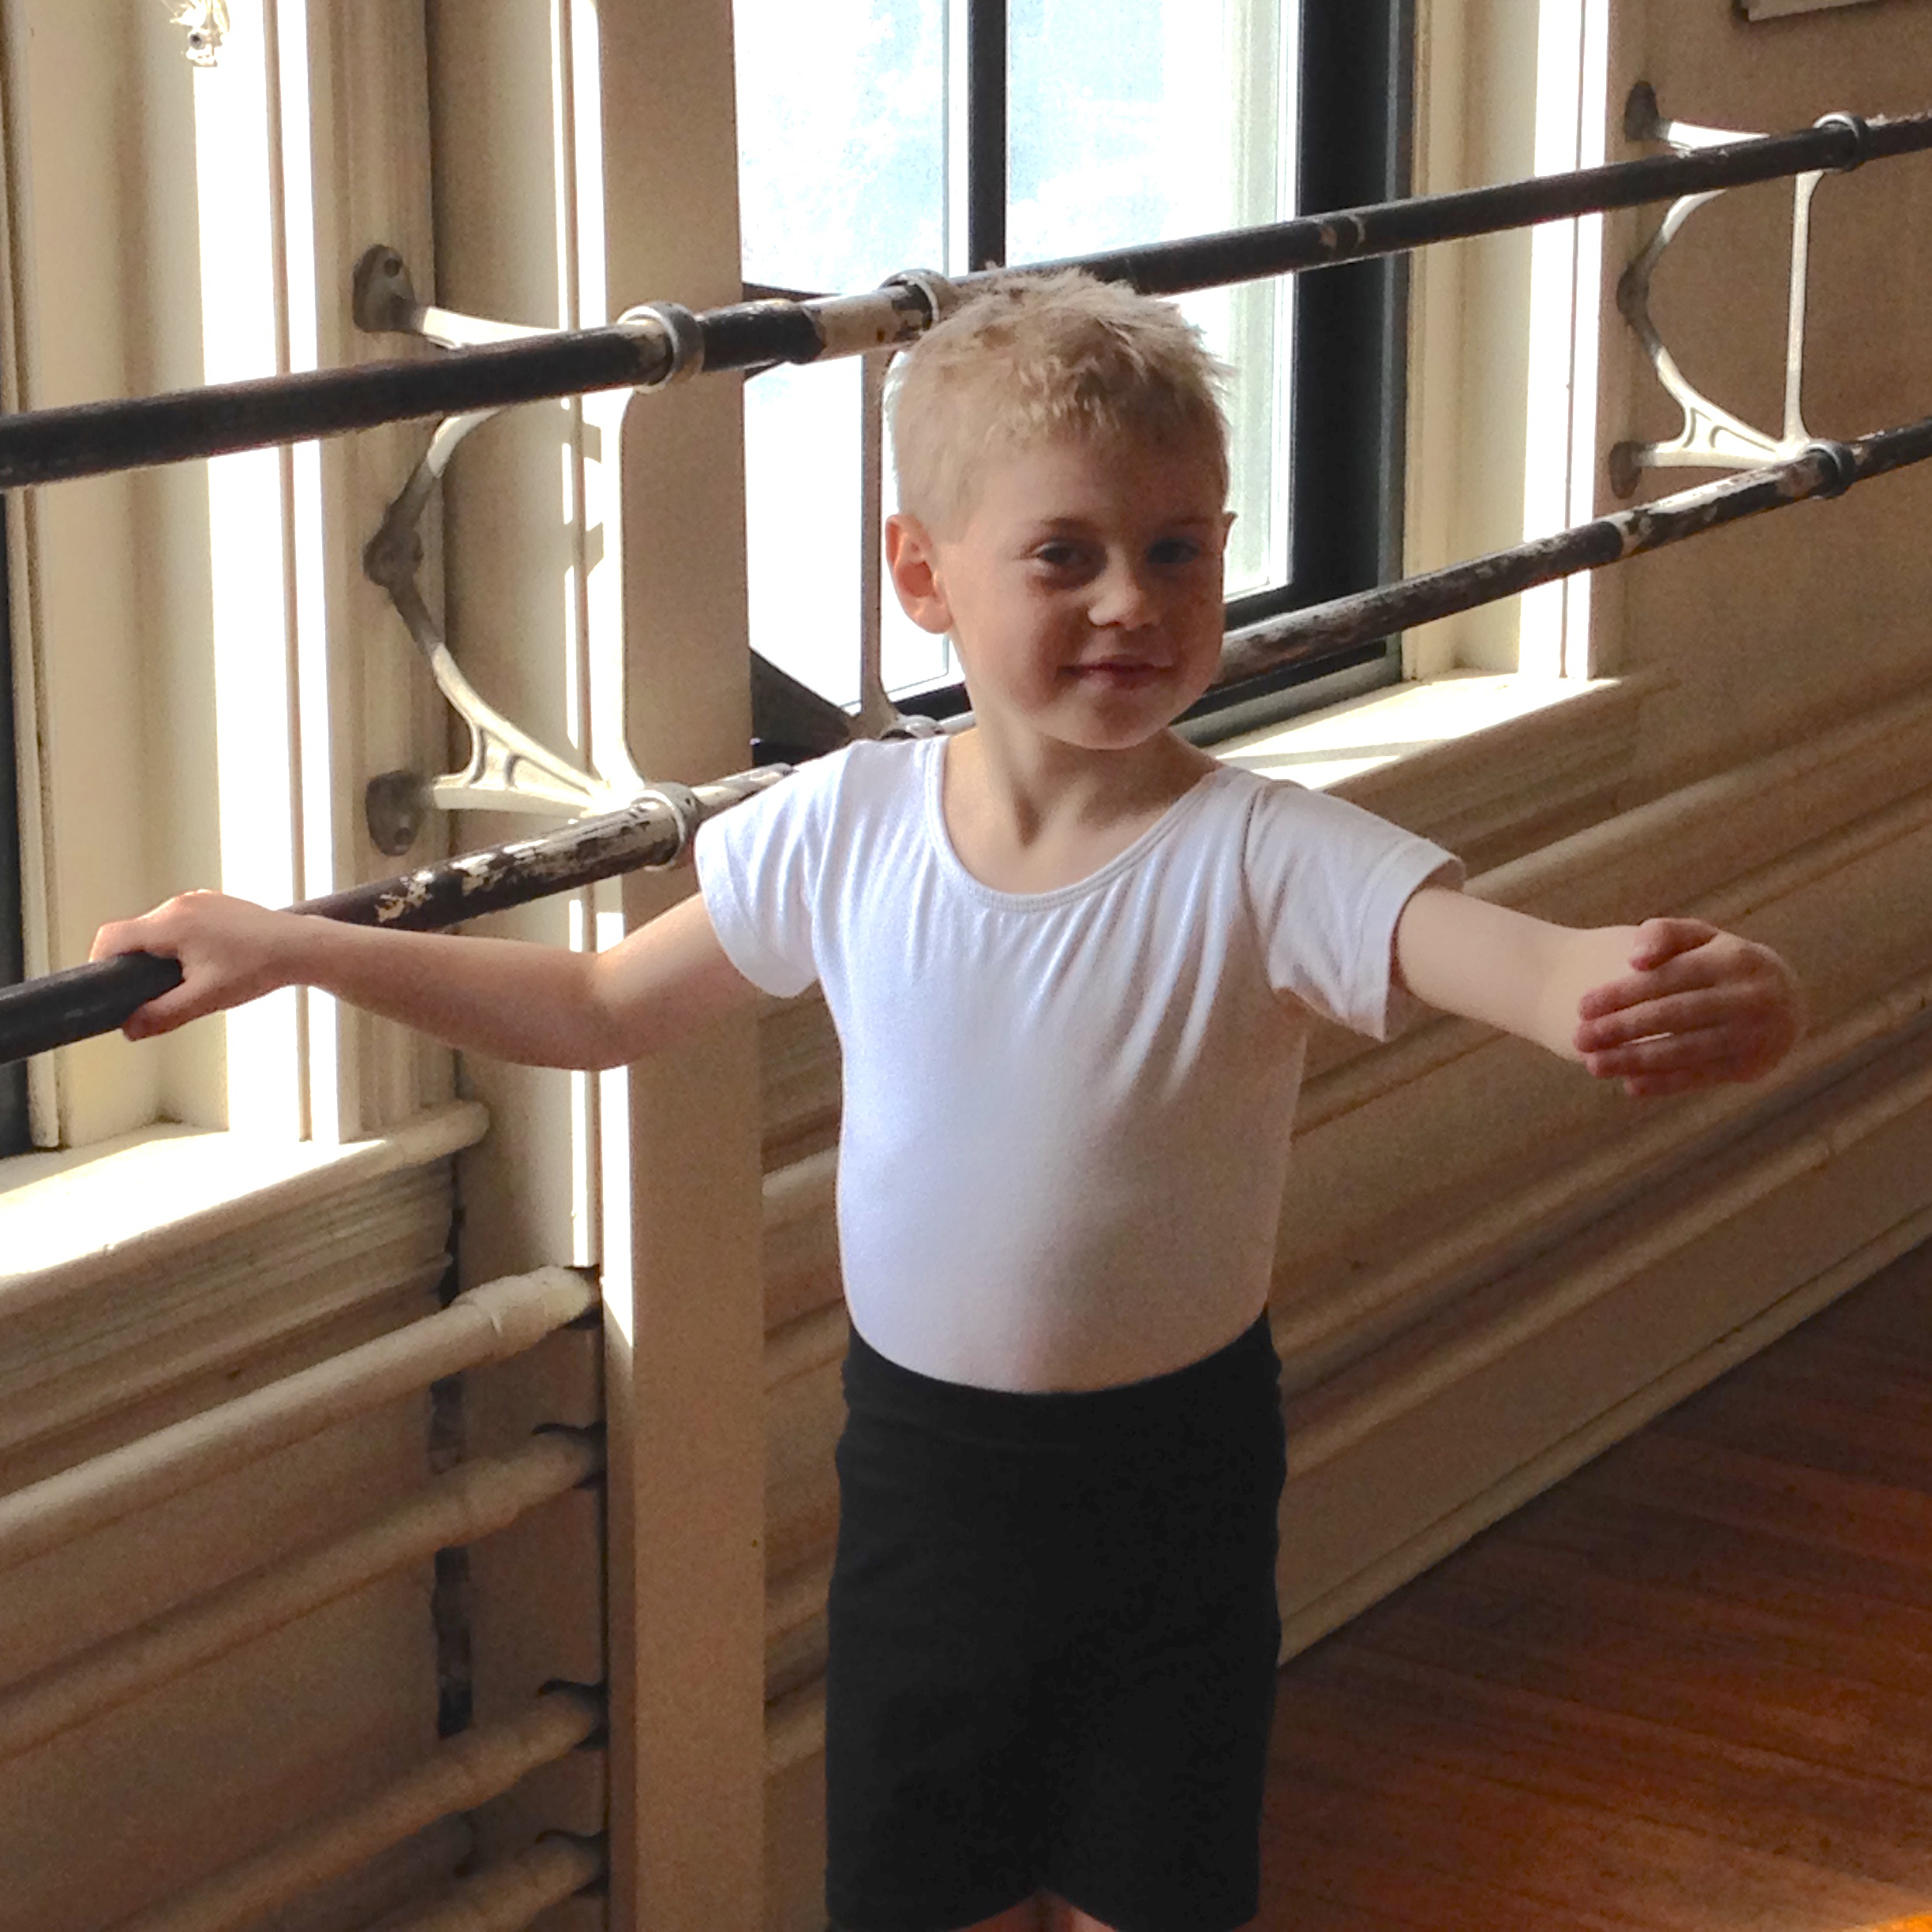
(70, 1219)
(1491, 766)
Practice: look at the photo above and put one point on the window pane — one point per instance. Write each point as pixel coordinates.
(841, 143)
(841, 140)
(1109, 102)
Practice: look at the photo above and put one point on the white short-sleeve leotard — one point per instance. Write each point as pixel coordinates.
(1066, 1114)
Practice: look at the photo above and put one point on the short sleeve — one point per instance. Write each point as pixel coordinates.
(1326, 882)
(759, 868)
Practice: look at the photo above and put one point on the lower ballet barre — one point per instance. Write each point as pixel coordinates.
(655, 830)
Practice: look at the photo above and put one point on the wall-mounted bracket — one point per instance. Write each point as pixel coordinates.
(508, 769)
(1711, 436)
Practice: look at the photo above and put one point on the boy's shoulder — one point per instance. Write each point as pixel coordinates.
(864, 781)
(865, 765)
(1289, 824)
(869, 769)
(1277, 806)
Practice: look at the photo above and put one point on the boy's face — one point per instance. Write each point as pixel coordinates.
(1082, 587)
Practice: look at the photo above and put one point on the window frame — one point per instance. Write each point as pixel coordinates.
(16, 1129)
(1350, 348)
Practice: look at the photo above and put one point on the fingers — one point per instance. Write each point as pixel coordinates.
(163, 1014)
(1659, 1085)
(1661, 939)
(1702, 1040)
(1668, 1013)
(1706, 1056)
(1709, 1008)
(134, 935)
(220, 943)
(1666, 967)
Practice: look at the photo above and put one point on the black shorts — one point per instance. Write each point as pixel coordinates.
(1053, 1640)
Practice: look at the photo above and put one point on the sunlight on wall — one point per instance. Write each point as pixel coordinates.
(1565, 290)
(593, 623)
(236, 169)
(308, 608)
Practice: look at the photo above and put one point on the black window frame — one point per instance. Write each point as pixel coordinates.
(1349, 377)
(16, 1136)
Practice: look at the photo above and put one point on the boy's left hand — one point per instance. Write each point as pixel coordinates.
(1699, 1007)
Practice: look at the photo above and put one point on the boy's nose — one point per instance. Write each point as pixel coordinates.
(1123, 599)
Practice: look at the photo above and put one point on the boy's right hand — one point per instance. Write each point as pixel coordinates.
(231, 950)
(541, 1005)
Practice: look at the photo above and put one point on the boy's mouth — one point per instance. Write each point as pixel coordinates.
(1123, 672)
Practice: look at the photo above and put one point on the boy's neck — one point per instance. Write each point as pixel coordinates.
(1032, 816)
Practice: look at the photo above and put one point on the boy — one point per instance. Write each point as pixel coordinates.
(1073, 963)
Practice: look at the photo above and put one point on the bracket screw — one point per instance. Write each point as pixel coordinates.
(394, 804)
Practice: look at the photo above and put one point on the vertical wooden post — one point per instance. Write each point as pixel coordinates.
(686, 1328)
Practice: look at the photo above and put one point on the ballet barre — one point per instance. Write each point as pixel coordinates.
(655, 830)
(656, 344)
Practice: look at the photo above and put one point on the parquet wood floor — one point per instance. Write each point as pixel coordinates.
(1689, 1690)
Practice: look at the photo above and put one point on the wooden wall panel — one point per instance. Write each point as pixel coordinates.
(144, 1798)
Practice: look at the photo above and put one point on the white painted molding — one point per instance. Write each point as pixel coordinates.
(812, 1341)
(487, 1324)
(1516, 1307)
(470, 1501)
(466, 1772)
(1303, 1624)
(1318, 1338)
(1783, 10)
(94, 1216)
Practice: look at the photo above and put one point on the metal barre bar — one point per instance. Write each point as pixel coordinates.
(79, 1001)
(1824, 469)
(654, 346)
(463, 1773)
(484, 1325)
(472, 1500)
(63, 1007)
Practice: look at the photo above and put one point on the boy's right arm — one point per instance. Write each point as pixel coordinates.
(539, 1005)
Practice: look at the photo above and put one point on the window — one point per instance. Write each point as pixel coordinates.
(875, 135)
(209, 679)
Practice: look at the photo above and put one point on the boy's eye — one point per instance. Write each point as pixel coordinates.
(1058, 555)
(1172, 551)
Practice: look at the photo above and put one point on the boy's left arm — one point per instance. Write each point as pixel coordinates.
(1666, 1006)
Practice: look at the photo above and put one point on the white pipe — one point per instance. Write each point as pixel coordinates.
(795, 1728)
(466, 1771)
(1320, 1440)
(793, 1600)
(806, 1342)
(489, 1323)
(1746, 794)
(511, 1895)
(1316, 1341)
(469, 1503)
(1395, 1566)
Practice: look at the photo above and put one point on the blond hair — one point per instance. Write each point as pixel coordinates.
(1044, 359)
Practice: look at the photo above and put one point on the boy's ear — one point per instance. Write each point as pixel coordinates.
(911, 564)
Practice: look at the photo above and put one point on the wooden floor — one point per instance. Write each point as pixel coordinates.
(1690, 1690)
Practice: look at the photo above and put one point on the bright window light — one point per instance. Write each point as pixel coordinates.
(848, 117)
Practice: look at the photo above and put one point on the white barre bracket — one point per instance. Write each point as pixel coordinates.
(508, 769)
(1712, 437)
